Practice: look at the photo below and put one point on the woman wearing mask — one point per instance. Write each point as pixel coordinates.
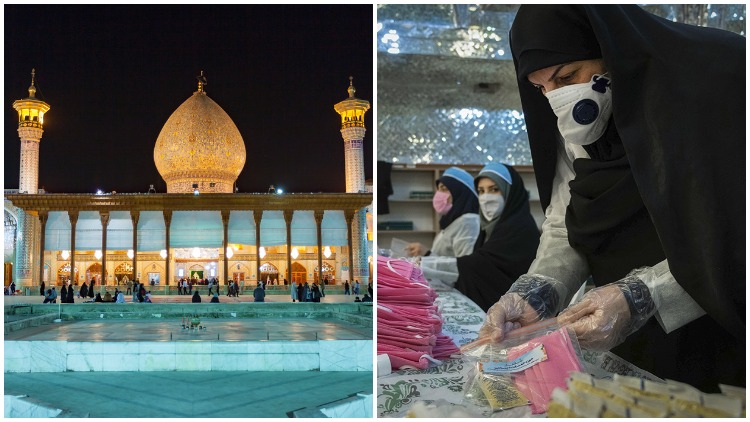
(456, 202)
(641, 181)
(506, 244)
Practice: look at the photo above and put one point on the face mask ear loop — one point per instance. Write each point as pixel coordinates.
(388, 263)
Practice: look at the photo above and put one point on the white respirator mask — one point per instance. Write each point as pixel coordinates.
(582, 110)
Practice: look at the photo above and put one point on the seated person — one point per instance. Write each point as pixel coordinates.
(148, 297)
(196, 297)
(456, 202)
(48, 296)
(259, 294)
(215, 299)
(107, 297)
(505, 247)
(98, 298)
(366, 298)
(357, 299)
(120, 298)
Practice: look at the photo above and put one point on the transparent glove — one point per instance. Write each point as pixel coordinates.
(531, 298)
(607, 315)
(415, 249)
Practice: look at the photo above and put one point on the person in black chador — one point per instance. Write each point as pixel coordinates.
(636, 126)
(505, 247)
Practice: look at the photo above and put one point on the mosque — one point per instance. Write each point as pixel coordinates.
(201, 228)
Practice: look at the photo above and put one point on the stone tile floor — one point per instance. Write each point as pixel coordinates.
(216, 330)
(187, 394)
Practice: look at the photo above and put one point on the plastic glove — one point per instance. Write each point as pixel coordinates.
(531, 298)
(607, 315)
(415, 249)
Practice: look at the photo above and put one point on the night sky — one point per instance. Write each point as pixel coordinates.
(114, 74)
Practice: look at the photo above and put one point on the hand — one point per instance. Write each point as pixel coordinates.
(510, 312)
(601, 320)
(415, 249)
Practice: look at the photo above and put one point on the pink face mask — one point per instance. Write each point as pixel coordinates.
(440, 202)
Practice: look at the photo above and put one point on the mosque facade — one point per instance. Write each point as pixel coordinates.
(201, 228)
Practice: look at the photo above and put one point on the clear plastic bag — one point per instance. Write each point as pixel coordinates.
(533, 360)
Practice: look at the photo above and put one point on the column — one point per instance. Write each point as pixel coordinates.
(134, 217)
(257, 216)
(104, 217)
(225, 222)
(318, 220)
(73, 216)
(349, 216)
(43, 223)
(288, 214)
(167, 223)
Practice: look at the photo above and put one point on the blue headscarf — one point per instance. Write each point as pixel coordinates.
(461, 186)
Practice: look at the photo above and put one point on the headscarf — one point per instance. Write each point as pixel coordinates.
(460, 184)
(487, 273)
(500, 175)
(679, 108)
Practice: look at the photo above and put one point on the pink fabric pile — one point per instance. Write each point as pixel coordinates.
(409, 323)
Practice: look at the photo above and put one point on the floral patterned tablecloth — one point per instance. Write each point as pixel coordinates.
(398, 391)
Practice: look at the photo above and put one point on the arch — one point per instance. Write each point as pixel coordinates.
(269, 273)
(63, 273)
(123, 270)
(328, 271)
(196, 272)
(299, 273)
(94, 271)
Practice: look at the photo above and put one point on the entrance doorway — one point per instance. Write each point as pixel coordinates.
(299, 273)
(269, 274)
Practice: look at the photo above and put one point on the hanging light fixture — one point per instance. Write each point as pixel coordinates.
(196, 252)
(163, 254)
(295, 253)
(262, 252)
(65, 255)
(230, 252)
(130, 253)
(327, 252)
(98, 254)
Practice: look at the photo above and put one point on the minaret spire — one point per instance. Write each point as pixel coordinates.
(202, 81)
(32, 88)
(351, 89)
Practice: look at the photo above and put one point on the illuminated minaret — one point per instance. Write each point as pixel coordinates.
(30, 120)
(352, 111)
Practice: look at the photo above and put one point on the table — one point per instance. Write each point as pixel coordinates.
(398, 391)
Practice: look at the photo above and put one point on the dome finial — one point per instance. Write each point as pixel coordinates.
(202, 81)
(351, 87)
(32, 88)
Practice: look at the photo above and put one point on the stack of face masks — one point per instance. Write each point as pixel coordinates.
(409, 323)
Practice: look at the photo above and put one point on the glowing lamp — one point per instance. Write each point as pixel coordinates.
(295, 253)
(65, 255)
(130, 253)
(230, 253)
(262, 252)
(196, 253)
(163, 254)
(327, 252)
(98, 254)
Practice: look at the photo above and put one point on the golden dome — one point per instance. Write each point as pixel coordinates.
(200, 145)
